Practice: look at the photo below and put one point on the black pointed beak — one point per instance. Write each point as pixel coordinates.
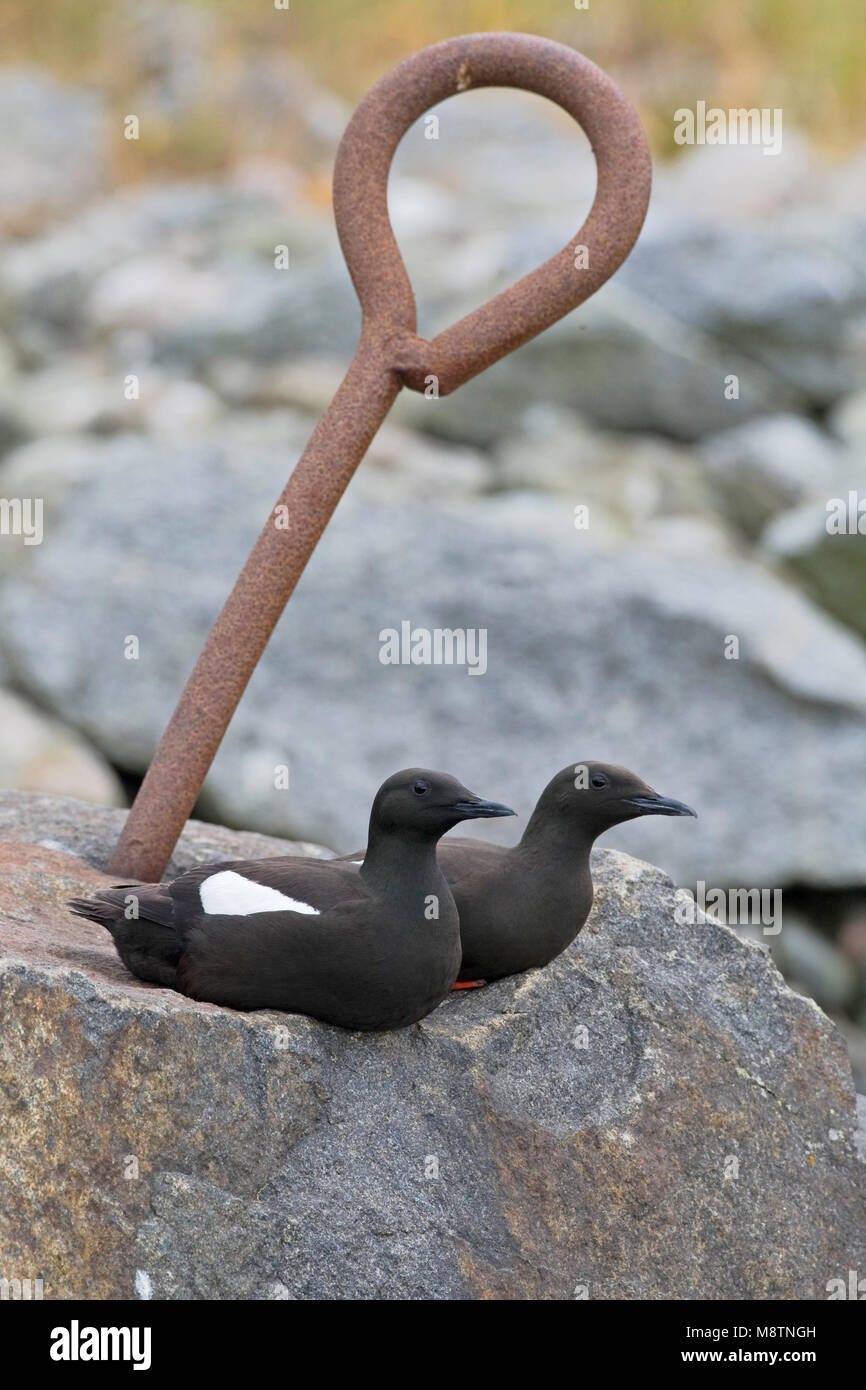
(660, 806)
(473, 808)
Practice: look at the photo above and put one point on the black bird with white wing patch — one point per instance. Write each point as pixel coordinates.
(369, 949)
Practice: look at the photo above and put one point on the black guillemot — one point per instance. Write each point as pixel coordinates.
(372, 949)
(521, 907)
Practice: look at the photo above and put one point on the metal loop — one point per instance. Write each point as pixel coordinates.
(389, 355)
(546, 294)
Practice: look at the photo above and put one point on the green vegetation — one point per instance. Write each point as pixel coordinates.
(795, 54)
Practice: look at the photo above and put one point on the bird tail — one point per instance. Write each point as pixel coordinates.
(104, 909)
(139, 918)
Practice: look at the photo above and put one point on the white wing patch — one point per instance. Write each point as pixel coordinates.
(356, 861)
(228, 894)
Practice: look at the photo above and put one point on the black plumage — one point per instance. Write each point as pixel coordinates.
(520, 907)
(368, 949)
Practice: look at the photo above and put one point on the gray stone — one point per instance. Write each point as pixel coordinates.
(809, 960)
(622, 361)
(54, 149)
(187, 269)
(655, 1115)
(10, 431)
(734, 272)
(38, 753)
(848, 420)
(48, 468)
(755, 288)
(774, 294)
(190, 269)
(615, 653)
(70, 396)
(628, 482)
(738, 184)
(168, 51)
(767, 466)
(89, 833)
(820, 541)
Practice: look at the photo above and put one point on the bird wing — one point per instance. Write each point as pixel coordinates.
(280, 960)
(285, 886)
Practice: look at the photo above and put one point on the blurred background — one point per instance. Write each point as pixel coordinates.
(159, 375)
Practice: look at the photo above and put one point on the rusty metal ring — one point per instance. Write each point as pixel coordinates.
(546, 294)
(390, 355)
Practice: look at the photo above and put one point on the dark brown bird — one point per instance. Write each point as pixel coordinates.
(520, 907)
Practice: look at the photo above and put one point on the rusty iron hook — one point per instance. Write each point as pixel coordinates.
(390, 355)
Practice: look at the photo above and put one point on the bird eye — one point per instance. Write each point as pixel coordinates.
(599, 781)
(420, 788)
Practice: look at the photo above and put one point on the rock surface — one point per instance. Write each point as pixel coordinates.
(821, 541)
(768, 465)
(39, 754)
(54, 152)
(774, 295)
(89, 832)
(655, 1115)
(614, 653)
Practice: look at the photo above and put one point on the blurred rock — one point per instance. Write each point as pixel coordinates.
(809, 961)
(855, 1041)
(53, 154)
(191, 269)
(852, 935)
(733, 185)
(848, 421)
(767, 291)
(278, 104)
(592, 652)
(517, 1143)
(767, 466)
(307, 383)
(158, 294)
(48, 468)
(166, 50)
(181, 410)
(624, 363)
(822, 544)
(633, 480)
(189, 266)
(788, 294)
(10, 430)
(40, 754)
(90, 833)
(73, 395)
(402, 466)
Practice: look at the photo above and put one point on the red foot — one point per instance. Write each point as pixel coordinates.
(468, 984)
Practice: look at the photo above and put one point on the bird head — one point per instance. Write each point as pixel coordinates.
(421, 804)
(595, 796)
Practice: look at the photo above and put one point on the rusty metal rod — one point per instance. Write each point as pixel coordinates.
(389, 356)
